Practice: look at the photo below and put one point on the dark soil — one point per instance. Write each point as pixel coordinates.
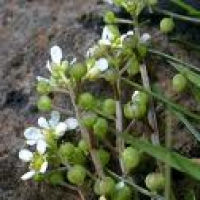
(28, 28)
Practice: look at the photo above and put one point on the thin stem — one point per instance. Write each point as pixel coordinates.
(124, 21)
(163, 99)
(136, 187)
(86, 135)
(177, 16)
(152, 114)
(187, 7)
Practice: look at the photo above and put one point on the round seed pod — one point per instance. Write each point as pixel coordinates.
(130, 158)
(109, 107)
(155, 181)
(167, 25)
(100, 128)
(78, 71)
(76, 175)
(179, 83)
(89, 119)
(44, 103)
(86, 101)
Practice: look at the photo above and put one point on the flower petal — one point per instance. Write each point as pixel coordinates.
(32, 133)
(55, 117)
(44, 167)
(145, 38)
(56, 54)
(28, 175)
(41, 146)
(25, 155)
(102, 64)
(72, 123)
(42, 122)
(61, 128)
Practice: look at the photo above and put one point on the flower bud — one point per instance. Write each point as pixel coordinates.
(110, 17)
(89, 119)
(43, 88)
(155, 181)
(78, 71)
(56, 178)
(86, 101)
(100, 128)
(104, 156)
(109, 107)
(122, 192)
(130, 158)
(133, 66)
(167, 25)
(66, 152)
(128, 111)
(83, 146)
(179, 83)
(76, 175)
(44, 103)
(104, 186)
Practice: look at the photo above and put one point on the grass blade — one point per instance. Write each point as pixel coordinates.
(173, 159)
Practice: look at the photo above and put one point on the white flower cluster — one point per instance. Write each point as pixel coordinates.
(37, 137)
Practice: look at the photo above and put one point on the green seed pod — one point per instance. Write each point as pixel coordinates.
(78, 71)
(43, 88)
(133, 66)
(179, 83)
(142, 50)
(89, 119)
(100, 128)
(104, 156)
(130, 158)
(128, 111)
(139, 110)
(140, 98)
(56, 178)
(110, 17)
(155, 181)
(86, 101)
(78, 157)
(109, 107)
(66, 152)
(44, 103)
(39, 178)
(167, 25)
(83, 146)
(152, 2)
(76, 175)
(122, 192)
(104, 186)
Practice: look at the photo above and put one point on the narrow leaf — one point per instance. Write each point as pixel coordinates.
(173, 159)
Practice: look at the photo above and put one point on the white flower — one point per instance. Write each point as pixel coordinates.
(107, 36)
(100, 66)
(145, 38)
(28, 156)
(128, 34)
(56, 54)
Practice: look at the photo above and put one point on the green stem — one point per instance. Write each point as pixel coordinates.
(136, 187)
(163, 99)
(177, 16)
(187, 7)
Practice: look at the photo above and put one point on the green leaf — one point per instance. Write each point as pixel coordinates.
(173, 159)
(187, 123)
(189, 74)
